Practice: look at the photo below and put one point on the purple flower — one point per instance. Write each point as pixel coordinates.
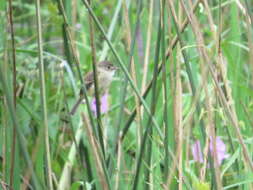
(103, 104)
(220, 149)
(196, 152)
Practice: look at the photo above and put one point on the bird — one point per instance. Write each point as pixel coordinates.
(105, 74)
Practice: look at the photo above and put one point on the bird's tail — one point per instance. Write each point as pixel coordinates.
(73, 110)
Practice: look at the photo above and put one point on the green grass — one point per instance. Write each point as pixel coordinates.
(185, 74)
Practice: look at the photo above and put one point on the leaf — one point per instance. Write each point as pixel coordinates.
(201, 186)
(54, 16)
(76, 185)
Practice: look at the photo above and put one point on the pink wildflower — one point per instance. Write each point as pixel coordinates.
(220, 148)
(103, 104)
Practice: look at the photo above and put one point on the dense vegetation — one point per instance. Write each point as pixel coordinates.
(177, 115)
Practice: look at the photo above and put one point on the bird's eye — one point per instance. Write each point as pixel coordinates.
(108, 67)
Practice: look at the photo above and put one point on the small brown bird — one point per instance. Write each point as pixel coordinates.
(105, 73)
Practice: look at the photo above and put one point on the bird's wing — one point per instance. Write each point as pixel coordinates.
(88, 80)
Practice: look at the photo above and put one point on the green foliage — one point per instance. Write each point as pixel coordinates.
(53, 14)
(201, 186)
(142, 148)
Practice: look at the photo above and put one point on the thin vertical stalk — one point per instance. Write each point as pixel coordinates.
(99, 161)
(111, 29)
(148, 130)
(165, 95)
(178, 120)
(95, 76)
(130, 47)
(118, 172)
(76, 135)
(188, 68)
(205, 59)
(43, 95)
(168, 53)
(14, 80)
(21, 139)
(65, 177)
(66, 48)
(178, 115)
(221, 66)
(120, 62)
(13, 48)
(147, 51)
(77, 63)
(74, 16)
(211, 126)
